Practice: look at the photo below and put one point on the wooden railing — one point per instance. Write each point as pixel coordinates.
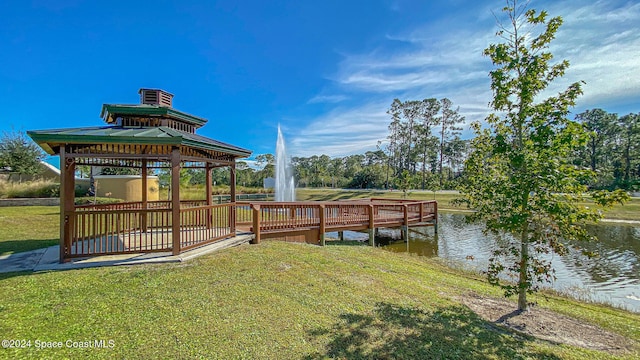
(204, 224)
(162, 204)
(128, 228)
(288, 217)
(131, 228)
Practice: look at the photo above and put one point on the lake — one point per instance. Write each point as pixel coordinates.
(613, 277)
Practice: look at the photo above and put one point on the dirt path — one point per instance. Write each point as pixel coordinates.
(549, 326)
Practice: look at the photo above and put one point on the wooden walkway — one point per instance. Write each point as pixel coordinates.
(309, 221)
(126, 228)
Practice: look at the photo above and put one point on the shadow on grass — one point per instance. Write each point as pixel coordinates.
(16, 246)
(397, 332)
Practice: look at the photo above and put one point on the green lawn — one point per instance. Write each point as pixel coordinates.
(276, 300)
(24, 228)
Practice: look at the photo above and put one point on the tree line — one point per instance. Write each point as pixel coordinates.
(612, 151)
(423, 150)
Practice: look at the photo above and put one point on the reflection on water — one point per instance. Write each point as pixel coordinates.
(612, 277)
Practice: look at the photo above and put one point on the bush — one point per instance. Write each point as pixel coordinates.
(81, 190)
(89, 200)
(29, 189)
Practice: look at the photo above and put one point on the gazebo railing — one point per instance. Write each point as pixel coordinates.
(204, 224)
(129, 228)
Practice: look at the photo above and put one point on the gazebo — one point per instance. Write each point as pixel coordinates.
(146, 136)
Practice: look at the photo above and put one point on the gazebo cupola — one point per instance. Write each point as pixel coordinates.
(154, 110)
(149, 135)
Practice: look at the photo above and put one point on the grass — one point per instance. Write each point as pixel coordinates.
(276, 300)
(198, 192)
(628, 211)
(29, 189)
(27, 228)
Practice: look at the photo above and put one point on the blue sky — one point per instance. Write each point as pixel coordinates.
(325, 70)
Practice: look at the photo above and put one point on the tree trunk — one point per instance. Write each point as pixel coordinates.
(593, 155)
(424, 169)
(441, 155)
(524, 264)
(627, 162)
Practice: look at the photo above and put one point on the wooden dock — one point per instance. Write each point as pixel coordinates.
(310, 221)
(137, 227)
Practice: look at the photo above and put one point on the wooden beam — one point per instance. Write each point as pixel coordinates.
(67, 206)
(209, 190)
(372, 226)
(175, 200)
(232, 209)
(123, 156)
(255, 208)
(203, 159)
(63, 158)
(323, 226)
(143, 215)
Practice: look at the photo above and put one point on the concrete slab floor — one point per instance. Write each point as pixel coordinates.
(48, 259)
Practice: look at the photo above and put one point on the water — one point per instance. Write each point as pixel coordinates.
(613, 277)
(285, 184)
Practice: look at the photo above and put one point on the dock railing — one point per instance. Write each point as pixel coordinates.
(274, 219)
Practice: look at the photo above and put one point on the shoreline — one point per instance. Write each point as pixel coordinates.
(606, 220)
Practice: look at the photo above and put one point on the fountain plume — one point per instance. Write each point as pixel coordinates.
(285, 184)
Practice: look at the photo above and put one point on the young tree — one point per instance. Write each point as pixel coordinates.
(520, 180)
(19, 154)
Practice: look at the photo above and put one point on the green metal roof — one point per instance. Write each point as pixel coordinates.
(130, 135)
(110, 112)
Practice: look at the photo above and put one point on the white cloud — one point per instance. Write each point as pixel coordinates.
(327, 99)
(342, 132)
(600, 39)
(602, 43)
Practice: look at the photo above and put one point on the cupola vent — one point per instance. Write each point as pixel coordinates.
(155, 97)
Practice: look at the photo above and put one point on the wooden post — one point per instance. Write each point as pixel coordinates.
(341, 235)
(421, 211)
(175, 200)
(232, 209)
(435, 217)
(209, 191)
(256, 223)
(405, 226)
(406, 215)
(143, 214)
(372, 226)
(322, 224)
(67, 206)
